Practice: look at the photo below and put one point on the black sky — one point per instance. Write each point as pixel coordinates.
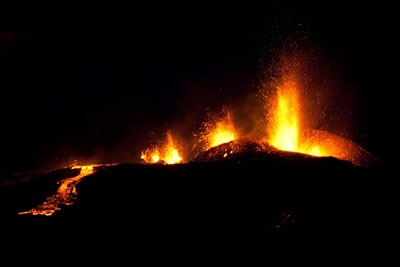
(78, 81)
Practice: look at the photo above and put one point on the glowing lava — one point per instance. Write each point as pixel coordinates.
(65, 195)
(220, 132)
(285, 123)
(286, 127)
(167, 152)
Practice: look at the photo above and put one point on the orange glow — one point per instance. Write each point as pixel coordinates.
(220, 132)
(286, 128)
(150, 156)
(167, 152)
(66, 193)
(285, 124)
(315, 151)
(322, 143)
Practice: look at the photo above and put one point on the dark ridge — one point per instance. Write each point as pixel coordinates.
(245, 150)
(244, 200)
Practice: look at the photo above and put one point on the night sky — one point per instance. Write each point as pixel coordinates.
(94, 81)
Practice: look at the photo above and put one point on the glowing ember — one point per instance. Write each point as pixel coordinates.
(220, 132)
(65, 195)
(167, 153)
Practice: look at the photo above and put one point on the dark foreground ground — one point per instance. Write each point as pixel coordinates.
(237, 203)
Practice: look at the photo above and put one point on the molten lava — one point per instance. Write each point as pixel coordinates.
(285, 123)
(65, 194)
(286, 127)
(287, 130)
(167, 152)
(219, 132)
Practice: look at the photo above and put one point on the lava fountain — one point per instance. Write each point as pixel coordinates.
(288, 132)
(219, 131)
(167, 153)
(285, 123)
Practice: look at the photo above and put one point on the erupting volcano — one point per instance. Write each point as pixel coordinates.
(286, 137)
(286, 130)
(190, 130)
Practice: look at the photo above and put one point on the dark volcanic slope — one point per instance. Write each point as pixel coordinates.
(249, 195)
(244, 150)
(250, 201)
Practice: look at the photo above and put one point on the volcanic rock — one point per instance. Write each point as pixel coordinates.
(340, 147)
(247, 151)
(235, 194)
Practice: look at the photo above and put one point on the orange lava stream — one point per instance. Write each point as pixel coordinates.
(66, 193)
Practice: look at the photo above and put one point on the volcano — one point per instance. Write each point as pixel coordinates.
(245, 166)
(240, 192)
(249, 157)
(283, 178)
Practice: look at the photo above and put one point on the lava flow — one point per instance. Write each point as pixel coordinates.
(66, 193)
(166, 153)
